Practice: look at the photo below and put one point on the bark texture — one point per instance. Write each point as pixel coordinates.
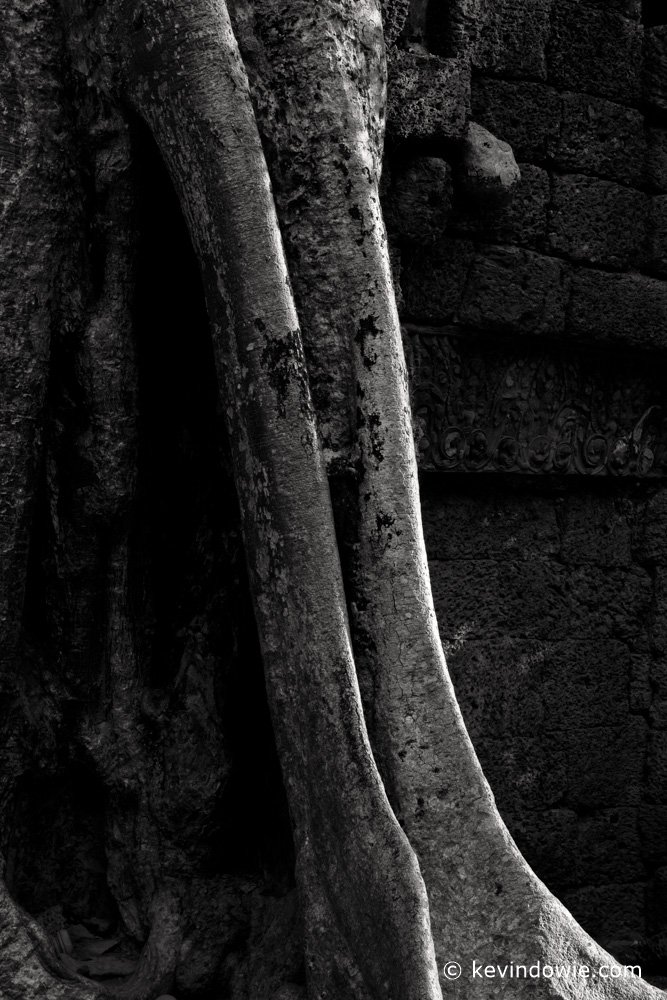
(275, 154)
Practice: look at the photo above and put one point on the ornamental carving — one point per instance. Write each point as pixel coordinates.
(479, 406)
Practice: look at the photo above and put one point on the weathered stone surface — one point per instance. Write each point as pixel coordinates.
(609, 847)
(417, 204)
(597, 222)
(629, 8)
(602, 138)
(527, 115)
(656, 767)
(613, 914)
(535, 409)
(652, 547)
(487, 600)
(656, 250)
(625, 308)
(433, 279)
(548, 839)
(596, 530)
(656, 161)
(595, 51)
(613, 774)
(427, 96)
(488, 172)
(524, 771)
(487, 525)
(452, 28)
(659, 618)
(655, 67)
(516, 291)
(394, 14)
(652, 827)
(640, 693)
(512, 38)
(584, 684)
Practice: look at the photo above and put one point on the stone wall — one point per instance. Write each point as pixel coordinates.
(537, 337)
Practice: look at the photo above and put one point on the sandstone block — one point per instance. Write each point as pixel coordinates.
(597, 222)
(516, 291)
(624, 308)
(602, 138)
(595, 51)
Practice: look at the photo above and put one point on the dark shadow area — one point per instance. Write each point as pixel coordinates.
(56, 858)
(654, 12)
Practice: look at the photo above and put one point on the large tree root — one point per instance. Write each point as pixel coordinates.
(485, 902)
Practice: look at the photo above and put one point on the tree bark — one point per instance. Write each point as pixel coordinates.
(402, 864)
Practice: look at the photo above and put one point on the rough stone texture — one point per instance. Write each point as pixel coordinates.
(427, 96)
(614, 914)
(546, 616)
(625, 308)
(433, 279)
(513, 37)
(527, 115)
(595, 51)
(488, 171)
(629, 8)
(655, 67)
(597, 222)
(417, 203)
(394, 14)
(523, 222)
(552, 599)
(515, 291)
(656, 249)
(602, 138)
(656, 162)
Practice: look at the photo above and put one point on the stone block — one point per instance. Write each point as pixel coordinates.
(526, 773)
(584, 684)
(548, 841)
(428, 97)
(595, 51)
(527, 115)
(612, 914)
(417, 205)
(497, 685)
(602, 138)
(653, 833)
(655, 67)
(489, 600)
(433, 279)
(597, 222)
(516, 291)
(656, 249)
(540, 600)
(658, 705)
(605, 766)
(512, 38)
(652, 547)
(629, 8)
(656, 161)
(656, 767)
(609, 848)
(492, 524)
(596, 530)
(641, 693)
(522, 222)
(624, 308)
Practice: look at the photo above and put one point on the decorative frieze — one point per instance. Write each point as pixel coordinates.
(483, 406)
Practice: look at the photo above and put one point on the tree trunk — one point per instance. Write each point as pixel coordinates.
(273, 145)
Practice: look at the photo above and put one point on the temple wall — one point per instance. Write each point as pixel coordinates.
(536, 332)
